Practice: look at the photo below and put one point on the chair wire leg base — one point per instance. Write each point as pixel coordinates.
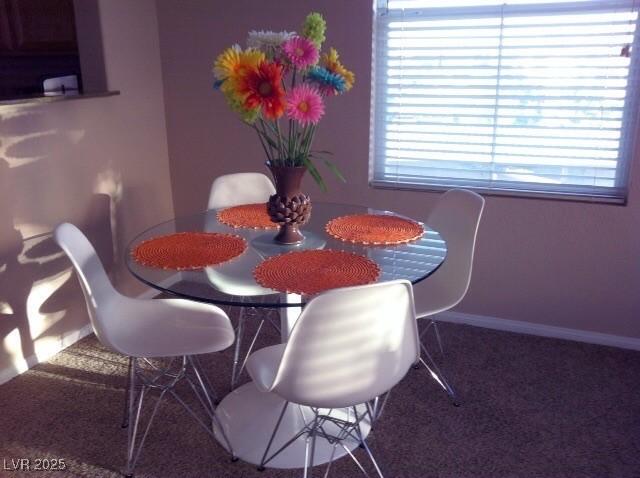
(165, 380)
(125, 414)
(437, 375)
(209, 395)
(375, 409)
(436, 332)
(237, 346)
(364, 443)
(438, 338)
(347, 428)
(197, 367)
(238, 367)
(273, 435)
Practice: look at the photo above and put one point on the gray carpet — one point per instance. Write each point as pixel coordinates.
(533, 407)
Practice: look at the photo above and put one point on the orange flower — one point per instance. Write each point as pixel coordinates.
(263, 88)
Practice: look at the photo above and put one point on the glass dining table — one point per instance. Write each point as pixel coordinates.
(247, 414)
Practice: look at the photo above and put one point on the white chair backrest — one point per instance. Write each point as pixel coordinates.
(350, 345)
(456, 217)
(240, 188)
(96, 286)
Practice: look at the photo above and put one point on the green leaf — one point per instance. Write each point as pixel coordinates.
(314, 173)
(334, 169)
(269, 140)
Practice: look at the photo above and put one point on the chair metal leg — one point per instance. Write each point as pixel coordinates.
(438, 338)
(333, 452)
(132, 454)
(310, 446)
(236, 350)
(375, 411)
(132, 430)
(273, 435)
(307, 447)
(198, 367)
(238, 367)
(125, 414)
(364, 443)
(438, 376)
(165, 379)
(436, 331)
(208, 391)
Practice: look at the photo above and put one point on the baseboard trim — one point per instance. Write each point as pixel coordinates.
(542, 330)
(71, 338)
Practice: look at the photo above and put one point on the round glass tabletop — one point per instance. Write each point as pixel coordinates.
(232, 283)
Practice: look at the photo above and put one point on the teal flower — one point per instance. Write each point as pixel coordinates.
(327, 82)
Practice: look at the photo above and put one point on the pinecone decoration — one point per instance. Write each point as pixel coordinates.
(289, 210)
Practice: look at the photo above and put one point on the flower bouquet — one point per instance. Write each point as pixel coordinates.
(278, 86)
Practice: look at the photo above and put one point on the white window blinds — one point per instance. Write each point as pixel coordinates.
(531, 96)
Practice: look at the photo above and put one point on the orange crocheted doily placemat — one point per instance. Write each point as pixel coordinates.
(377, 229)
(189, 250)
(311, 272)
(252, 216)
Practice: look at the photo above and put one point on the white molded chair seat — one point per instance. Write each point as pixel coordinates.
(167, 328)
(240, 188)
(348, 347)
(144, 329)
(456, 217)
(263, 365)
(227, 191)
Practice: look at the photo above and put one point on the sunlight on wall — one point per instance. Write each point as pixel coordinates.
(5, 308)
(12, 345)
(40, 291)
(13, 113)
(39, 230)
(9, 141)
(30, 229)
(109, 182)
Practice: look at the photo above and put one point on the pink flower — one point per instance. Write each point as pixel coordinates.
(301, 52)
(304, 104)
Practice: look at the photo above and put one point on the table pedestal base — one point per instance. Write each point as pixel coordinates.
(249, 417)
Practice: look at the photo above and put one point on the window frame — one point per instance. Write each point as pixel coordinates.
(629, 132)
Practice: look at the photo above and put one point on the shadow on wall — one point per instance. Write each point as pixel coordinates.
(41, 185)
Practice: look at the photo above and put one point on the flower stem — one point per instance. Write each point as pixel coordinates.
(266, 137)
(264, 147)
(280, 141)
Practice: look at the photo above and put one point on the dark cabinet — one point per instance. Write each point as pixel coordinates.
(5, 33)
(38, 27)
(37, 42)
(43, 26)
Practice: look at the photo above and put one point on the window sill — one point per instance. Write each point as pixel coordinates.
(514, 193)
(40, 99)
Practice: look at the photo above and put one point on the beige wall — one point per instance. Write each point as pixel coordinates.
(100, 163)
(565, 264)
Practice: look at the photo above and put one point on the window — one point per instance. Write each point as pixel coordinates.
(530, 97)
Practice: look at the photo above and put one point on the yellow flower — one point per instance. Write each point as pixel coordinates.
(331, 61)
(232, 63)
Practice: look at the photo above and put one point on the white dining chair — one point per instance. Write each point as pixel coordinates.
(348, 347)
(456, 217)
(145, 330)
(234, 190)
(240, 188)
